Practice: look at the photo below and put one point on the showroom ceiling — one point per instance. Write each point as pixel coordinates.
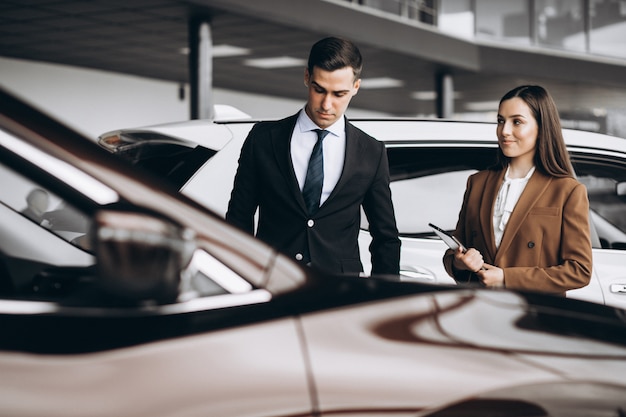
(150, 38)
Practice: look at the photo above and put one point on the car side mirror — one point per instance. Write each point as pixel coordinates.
(620, 188)
(140, 257)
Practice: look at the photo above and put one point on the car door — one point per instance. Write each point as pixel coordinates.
(427, 186)
(604, 174)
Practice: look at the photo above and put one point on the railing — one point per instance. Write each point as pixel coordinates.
(421, 10)
(594, 27)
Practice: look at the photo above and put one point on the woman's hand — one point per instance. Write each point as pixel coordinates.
(491, 276)
(471, 260)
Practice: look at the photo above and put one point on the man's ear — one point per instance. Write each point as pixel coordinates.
(357, 84)
(306, 77)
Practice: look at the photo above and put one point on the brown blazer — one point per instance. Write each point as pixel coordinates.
(546, 245)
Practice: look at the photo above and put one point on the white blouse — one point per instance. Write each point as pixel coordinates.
(507, 198)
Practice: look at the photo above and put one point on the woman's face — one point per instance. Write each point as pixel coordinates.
(517, 130)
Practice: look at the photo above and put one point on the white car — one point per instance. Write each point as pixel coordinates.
(429, 162)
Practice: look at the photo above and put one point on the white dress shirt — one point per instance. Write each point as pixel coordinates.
(507, 198)
(303, 140)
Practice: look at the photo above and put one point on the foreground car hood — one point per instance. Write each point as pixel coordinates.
(416, 354)
(347, 353)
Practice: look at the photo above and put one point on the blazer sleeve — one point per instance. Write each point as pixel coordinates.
(378, 207)
(460, 276)
(574, 268)
(244, 198)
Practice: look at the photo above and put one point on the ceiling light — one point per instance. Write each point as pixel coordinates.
(432, 95)
(221, 51)
(482, 105)
(276, 62)
(424, 95)
(380, 82)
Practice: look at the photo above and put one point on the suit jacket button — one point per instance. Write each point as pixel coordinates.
(310, 223)
(299, 256)
(531, 245)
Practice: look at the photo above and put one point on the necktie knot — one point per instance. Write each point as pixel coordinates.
(321, 134)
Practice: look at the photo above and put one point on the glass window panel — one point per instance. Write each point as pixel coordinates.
(561, 24)
(505, 20)
(608, 28)
(422, 10)
(390, 6)
(457, 18)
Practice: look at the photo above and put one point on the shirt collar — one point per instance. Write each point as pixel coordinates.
(305, 124)
(526, 178)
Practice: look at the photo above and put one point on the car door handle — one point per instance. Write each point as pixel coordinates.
(618, 288)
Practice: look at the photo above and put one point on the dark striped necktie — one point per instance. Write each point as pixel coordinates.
(312, 190)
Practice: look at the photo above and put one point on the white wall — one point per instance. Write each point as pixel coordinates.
(94, 102)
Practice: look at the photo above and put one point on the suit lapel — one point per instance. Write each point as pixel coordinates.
(280, 136)
(537, 185)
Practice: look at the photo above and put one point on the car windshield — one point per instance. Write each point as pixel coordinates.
(50, 254)
(44, 208)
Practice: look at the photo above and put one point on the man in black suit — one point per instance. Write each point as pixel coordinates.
(274, 167)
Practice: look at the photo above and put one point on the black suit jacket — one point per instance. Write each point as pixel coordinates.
(266, 179)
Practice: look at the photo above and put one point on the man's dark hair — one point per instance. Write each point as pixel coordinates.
(332, 53)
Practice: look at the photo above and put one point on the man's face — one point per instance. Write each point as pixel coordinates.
(330, 93)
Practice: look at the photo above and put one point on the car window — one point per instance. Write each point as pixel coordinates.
(38, 232)
(601, 176)
(429, 199)
(428, 183)
(32, 265)
(43, 207)
(169, 158)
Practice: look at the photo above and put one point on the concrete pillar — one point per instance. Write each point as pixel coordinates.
(201, 70)
(445, 96)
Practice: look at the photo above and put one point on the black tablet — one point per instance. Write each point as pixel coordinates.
(452, 242)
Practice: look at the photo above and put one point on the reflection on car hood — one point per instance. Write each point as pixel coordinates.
(508, 321)
(486, 319)
(573, 399)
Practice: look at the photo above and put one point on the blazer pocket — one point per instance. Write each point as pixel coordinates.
(545, 211)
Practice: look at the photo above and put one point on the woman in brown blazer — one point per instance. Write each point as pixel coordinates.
(525, 222)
